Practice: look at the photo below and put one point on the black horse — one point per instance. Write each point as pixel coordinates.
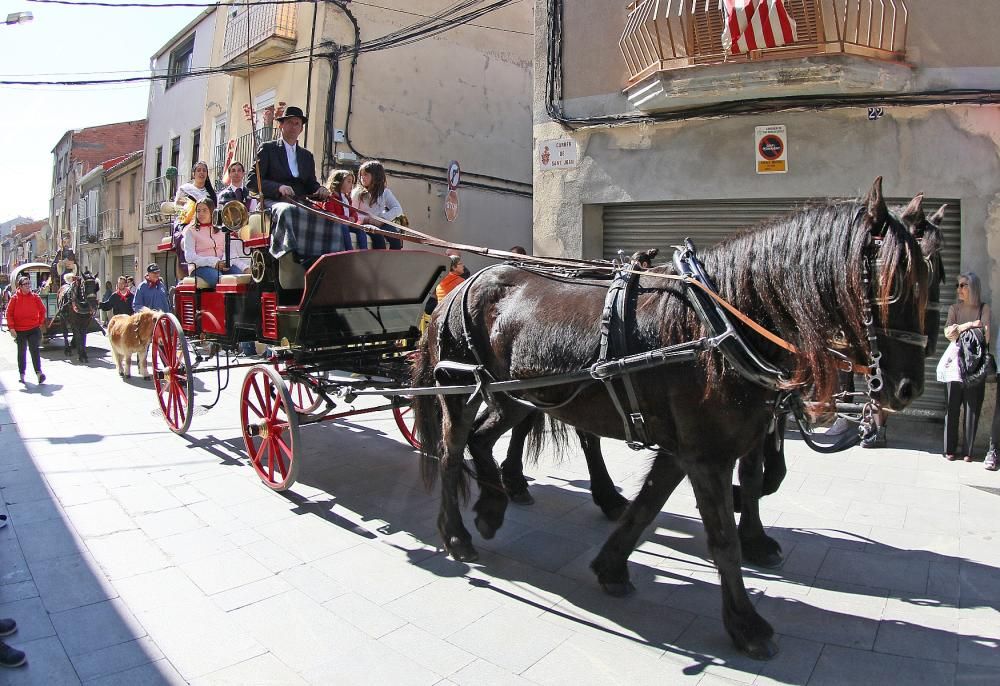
(77, 303)
(760, 474)
(801, 277)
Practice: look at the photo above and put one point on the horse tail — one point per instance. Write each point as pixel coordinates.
(427, 415)
(553, 433)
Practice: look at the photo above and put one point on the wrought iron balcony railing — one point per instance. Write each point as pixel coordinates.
(110, 223)
(158, 191)
(662, 35)
(89, 230)
(271, 31)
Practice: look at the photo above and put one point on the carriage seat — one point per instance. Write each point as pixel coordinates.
(254, 228)
(291, 275)
(197, 282)
(235, 279)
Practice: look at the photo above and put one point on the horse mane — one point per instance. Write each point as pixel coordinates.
(800, 277)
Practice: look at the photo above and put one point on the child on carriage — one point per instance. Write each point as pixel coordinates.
(375, 202)
(340, 184)
(205, 246)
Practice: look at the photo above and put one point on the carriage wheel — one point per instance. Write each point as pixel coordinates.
(258, 266)
(270, 427)
(304, 399)
(402, 412)
(172, 373)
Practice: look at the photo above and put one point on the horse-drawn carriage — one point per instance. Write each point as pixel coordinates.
(47, 285)
(347, 323)
(701, 360)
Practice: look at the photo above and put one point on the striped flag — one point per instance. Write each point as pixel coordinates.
(756, 24)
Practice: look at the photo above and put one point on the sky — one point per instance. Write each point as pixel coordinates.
(68, 43)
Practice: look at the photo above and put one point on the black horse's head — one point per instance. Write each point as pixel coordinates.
(898, 299)
(83, 293)
(928, 233)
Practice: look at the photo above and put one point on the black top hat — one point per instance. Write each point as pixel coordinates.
(153, 268)
(293, 111)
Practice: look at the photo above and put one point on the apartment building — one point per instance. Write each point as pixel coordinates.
(654, 125)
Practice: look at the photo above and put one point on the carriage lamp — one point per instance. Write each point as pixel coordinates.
(19, 18)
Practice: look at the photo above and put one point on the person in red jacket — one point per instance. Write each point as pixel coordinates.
(25, 316)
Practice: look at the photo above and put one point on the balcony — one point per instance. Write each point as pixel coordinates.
(158, 191)
(271, 33)
(110, 224)
(89, 229)
(664, 40)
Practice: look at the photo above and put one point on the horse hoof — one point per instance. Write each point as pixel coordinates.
(461, 551)
(761, 650)
(521, 498)
(766, 560)
(618, 589)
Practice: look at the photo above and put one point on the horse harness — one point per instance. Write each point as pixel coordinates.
(615, 364)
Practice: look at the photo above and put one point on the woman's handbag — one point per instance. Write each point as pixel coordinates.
(974, 359)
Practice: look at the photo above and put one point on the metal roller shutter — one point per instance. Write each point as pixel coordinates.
(639, 226)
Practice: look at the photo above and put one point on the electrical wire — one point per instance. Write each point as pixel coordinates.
(217, 5)
(394, 165)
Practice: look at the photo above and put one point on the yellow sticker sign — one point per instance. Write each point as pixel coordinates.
(771, 149)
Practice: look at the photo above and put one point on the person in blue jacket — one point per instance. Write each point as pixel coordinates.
(151, 292)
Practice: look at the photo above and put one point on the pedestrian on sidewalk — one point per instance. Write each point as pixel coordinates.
(151, 292)
(119, 301)
(968, 312)
(9, 657)
(25, 316)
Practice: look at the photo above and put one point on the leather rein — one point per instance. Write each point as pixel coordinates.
(413, 236)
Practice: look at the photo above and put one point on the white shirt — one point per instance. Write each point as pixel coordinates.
(387, 207)
(293, 163)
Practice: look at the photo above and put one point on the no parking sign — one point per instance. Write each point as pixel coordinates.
(772, 149)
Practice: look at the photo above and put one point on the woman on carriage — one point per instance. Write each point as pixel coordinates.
(205, 246)
(376, 203)
(198, 188)
(340, 184)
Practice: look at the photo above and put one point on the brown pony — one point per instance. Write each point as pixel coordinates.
(129, 335)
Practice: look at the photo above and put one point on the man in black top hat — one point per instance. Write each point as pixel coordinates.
(286, 169)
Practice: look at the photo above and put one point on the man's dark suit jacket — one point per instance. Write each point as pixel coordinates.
(274, 172)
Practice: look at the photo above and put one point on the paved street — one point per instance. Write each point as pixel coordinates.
(135, 556)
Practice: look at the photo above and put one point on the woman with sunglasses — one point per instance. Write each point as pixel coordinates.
(968, 312)
(25, 316)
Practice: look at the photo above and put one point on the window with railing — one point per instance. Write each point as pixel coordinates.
(110, 225)
(662, 35)
(157, 192)
(250, 28)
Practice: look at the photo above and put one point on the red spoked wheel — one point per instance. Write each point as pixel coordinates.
(304, 399)
(402, 412)
(270, 427)
(172, 373)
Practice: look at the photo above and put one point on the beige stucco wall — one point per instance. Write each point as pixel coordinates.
(942, 150)
(463, 95)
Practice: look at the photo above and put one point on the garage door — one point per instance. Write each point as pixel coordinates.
(639, 226)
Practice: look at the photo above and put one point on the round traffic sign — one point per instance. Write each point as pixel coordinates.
(771, 147)
(454, 175)
(451, 205)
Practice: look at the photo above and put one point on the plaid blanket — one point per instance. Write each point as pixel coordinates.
(302, 232)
